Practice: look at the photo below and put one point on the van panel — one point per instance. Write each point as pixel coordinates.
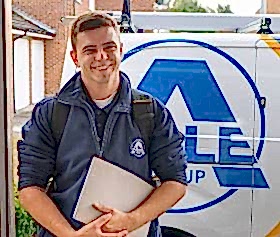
(266, 205)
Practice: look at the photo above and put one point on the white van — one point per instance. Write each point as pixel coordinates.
(223, 91)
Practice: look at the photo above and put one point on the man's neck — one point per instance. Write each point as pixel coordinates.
(99, 91)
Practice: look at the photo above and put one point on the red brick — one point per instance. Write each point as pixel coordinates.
(273, 6)
(80, 8)
(116, 5)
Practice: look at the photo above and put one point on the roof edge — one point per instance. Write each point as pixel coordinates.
(34, 21)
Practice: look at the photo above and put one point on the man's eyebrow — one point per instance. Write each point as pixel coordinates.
(110, 43)
(89, 46)
(92, 46)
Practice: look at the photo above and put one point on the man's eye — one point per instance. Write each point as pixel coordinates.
(89, 51)
(110, 47)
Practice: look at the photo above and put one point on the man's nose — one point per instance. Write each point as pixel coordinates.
(101, 55)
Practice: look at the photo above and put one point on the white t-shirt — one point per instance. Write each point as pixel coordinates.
(103, 103)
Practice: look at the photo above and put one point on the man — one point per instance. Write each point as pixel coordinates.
(100, 122)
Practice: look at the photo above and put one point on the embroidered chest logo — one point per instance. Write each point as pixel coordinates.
(137, 148)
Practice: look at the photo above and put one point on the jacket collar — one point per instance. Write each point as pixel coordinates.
(73, 93)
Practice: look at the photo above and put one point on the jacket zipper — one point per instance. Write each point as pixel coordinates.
(92, 123)
(110, 124)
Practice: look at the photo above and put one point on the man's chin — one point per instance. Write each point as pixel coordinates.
(101, 80)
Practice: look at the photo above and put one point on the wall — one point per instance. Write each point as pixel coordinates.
(116, 5)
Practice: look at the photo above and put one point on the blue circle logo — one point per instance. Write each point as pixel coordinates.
(249, 80)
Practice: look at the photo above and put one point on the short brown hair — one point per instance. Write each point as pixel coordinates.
(91, 21)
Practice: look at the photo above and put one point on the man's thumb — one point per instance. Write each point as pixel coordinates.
(102, 220)
(102, 208)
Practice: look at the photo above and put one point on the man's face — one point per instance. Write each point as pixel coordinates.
(98, 54)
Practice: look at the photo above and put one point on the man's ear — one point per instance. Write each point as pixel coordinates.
(74, 57)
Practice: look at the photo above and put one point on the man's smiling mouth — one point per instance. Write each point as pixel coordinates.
(101, 68)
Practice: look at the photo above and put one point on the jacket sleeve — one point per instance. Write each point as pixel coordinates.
(167, 154)
(36, 150)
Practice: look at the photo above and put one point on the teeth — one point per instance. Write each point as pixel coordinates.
(101, 68)
(104, 67)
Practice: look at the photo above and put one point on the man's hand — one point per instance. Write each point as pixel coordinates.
(93, 229)
(119, 221)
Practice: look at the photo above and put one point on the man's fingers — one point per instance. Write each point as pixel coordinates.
(120, 234)
(102, 220)
(108, 228)
(102, 208)
(123, 233)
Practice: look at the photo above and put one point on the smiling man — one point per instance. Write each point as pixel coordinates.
(100, 121)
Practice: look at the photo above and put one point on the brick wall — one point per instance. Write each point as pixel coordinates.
(116, 5)
(273, 6)
(81, 8)
(50, 13)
